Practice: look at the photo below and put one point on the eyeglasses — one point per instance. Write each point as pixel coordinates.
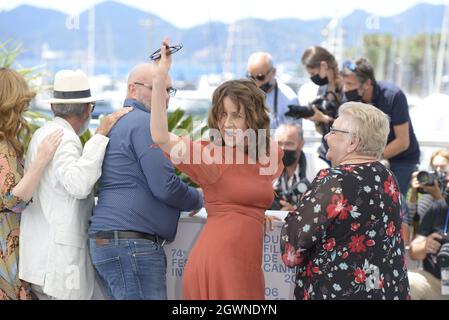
(260, 76)
(333, 130)
(156, 55)
(350, 65)
(441, 167)
(170, 90)
(92, 106)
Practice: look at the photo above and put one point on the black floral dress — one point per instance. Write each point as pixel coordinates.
(345, 240)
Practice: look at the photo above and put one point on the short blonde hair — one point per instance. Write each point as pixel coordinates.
(370, 124)
(440, 152)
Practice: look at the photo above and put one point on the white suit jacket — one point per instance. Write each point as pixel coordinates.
(53, 236)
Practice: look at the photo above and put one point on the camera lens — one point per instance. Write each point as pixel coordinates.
(423, 177)
(298, 112)
(443, 256)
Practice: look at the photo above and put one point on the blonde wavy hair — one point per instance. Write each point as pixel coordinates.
(15, 97)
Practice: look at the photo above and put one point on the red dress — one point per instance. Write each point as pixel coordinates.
(225, 262)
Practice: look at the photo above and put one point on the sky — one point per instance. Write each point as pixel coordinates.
(188, 13)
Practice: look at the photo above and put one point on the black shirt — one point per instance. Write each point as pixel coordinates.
(333, 113)
(432, 222)
(391, 100)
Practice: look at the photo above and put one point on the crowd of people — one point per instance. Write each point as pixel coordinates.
(349, 205)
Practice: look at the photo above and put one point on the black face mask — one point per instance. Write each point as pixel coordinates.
(353, 95)
(266, 87)
(289, 157)
(318, 80)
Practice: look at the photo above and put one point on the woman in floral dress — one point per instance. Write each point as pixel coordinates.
(345, 239)
(15, 191)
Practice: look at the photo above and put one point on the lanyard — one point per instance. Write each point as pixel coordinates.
(445, 224)
(275, 102)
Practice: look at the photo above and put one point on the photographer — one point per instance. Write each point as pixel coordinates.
(439, 162)
(402, 150)
(261, 69)
(323, 70)
(431, 245)
(299, 168)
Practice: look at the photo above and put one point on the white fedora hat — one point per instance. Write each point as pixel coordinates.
(71, 87)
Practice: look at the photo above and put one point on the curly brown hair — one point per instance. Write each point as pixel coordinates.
(15, 97)
(248, 97)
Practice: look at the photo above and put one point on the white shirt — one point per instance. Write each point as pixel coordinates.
(53, 231)
(286, 96)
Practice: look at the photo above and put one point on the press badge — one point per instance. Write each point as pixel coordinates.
(445, 281)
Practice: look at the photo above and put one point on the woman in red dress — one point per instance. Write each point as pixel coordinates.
(235, 169)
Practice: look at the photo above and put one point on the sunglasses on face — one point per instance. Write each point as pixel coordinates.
(260, 76)
(92, 106)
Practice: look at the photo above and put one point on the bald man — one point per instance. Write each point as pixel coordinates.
(140, 199)
(279, 95)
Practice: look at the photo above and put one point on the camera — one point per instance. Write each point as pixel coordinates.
(443, 253)
(324, 105)
(292, 195)
(428, 178)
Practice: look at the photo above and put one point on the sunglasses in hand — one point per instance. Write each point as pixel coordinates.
(156, 55)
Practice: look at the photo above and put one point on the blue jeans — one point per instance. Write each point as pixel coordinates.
(403, 173)
(130, 269)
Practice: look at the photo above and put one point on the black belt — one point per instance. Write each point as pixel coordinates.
(127, 235)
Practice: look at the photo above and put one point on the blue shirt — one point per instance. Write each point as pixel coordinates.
(138, 189)
(392, 101)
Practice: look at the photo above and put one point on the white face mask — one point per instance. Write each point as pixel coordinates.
(85, 126)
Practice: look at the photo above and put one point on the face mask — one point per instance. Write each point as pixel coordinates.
(318, 80)
(266, 87)
(289, 157)
(353, 95)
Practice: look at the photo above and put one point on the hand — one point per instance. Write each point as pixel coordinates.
(194, 212)
(47, 148)
(268, 223)
(109, 121)
(286, 206)
(434, 191)
(164, 63)
(432, 243)
(414, 182)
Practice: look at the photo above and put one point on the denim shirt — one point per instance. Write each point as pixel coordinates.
(138, 189)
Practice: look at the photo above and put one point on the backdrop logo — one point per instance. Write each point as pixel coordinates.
(72, 22)
(372, 22)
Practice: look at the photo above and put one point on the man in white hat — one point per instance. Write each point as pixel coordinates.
(53, 255)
